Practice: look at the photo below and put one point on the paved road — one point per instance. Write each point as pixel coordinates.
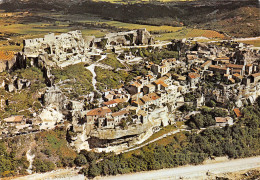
(192, 171)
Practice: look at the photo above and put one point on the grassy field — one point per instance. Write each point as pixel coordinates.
(255, 43)
(18, 26)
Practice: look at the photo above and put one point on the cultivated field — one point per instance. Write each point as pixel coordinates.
(23, 25)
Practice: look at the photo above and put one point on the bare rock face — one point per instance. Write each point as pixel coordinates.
(23, 83)
(10, 87)
(50, 116)
(119, 133)
(55, 97)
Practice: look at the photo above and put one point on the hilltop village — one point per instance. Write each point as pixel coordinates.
(170, 82)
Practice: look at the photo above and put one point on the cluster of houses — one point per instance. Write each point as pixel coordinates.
(162, 89)
(156, 90)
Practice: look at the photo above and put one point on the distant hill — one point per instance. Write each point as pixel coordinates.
(238, 18)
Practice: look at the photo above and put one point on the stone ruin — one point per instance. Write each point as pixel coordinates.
(130, 38)
(72, 46)
(66, 46)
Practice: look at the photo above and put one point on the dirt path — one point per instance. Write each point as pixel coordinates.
(145, 144)
(91, 68)
(61, 174)
(198, 172)
(247, 39)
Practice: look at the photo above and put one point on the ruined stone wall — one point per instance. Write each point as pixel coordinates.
(66, 46)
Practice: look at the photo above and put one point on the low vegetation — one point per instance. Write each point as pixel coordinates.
(110, 79)
(9, 164)
(78, 79)
(50, 148)
(112, 61)
(24, 102)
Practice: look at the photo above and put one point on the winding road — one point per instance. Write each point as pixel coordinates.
(192, 172)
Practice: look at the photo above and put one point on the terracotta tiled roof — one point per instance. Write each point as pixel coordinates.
(136, 84)
(142, 113)
(110, 102)
(238, 76)
(226, 75)
(119, 100)
(6, 55)
(206, 63)
(120, 113)
(194, 75)
(256, 74)
(139, 102)
(214, 66)
(235, 66)
(238, 112)
(236, 70)
(99, 111)
(191, 57)
(222, 58)
(14, 119)
(158, 81)
(221, 119)
(232, 80)
(150, 97)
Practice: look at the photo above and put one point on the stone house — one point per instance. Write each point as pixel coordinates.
(164, 67)
(221, 60)
(200, 101)
(190, 58)
(237, 77)
(142, 117)
(110, 104)
(193, 79)
(255, 78)
(149, 88)
(235, 68)
(135, 87)
(252, 79)
(119, 116)
(223, 121)
(14, 120)
(206, 65)
(110, 123)
(151, 98)
(249, 69)
(160, 85)
(97, 116)
(221, 69)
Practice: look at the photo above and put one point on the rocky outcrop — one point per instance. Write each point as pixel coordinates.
(117, 139)
(54, 96)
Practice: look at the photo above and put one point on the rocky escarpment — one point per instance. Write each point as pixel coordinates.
(117, 139)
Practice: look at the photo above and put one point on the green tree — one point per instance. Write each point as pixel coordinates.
(80, 160)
